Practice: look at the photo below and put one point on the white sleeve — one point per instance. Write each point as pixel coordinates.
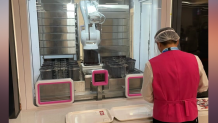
(203, 84)
(147, 89)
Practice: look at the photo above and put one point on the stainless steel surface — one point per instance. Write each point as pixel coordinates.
(61, 14)
(115, 35)
(114, 49)
(57, 36)
(79, 86)
(114, 2)
(55, 7)
(55, 1)
(57, 51)
(115, 42)
(56, 22)
(57, 29)
(115, 31)
(99, 97)
(57, 44)
(114, 94)
(116, 22)
(116, 84)
(88, 83)
(86, 69)
(117, 15)
(87, 95)
(113, 8)
(114, 53)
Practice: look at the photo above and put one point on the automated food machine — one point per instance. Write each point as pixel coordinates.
(54, 55)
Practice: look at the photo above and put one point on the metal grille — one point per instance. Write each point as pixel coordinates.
(115, 35)
(57, 27)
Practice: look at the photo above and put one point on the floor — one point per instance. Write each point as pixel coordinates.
(56, 114)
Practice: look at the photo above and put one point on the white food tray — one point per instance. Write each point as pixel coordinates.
(90, 116)
(202, 104)
(134, 112)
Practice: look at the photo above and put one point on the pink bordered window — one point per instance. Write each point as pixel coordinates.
(133, 85)
(99, 77)
(49, 93)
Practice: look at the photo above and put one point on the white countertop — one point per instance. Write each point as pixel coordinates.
(57, 114)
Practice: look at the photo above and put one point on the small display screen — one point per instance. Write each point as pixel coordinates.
(99, 77)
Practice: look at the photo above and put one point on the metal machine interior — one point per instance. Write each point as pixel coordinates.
(59, 47)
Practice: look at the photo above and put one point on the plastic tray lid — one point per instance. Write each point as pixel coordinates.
(134, 112)
(90, 116)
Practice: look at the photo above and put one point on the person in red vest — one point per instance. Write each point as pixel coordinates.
(172, 80)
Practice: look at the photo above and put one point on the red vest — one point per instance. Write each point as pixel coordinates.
(175, 83)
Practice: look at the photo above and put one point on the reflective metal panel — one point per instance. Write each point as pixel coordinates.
(57, 51)
(57, 36)
(79, 86)
(56, 29)
(55, 22)
(55, 1)
(55, 7)
(116, 84)
(116, 14)
(114, 2)
(49, 14)
(103, 54)
(57, 43)
(115, 42)
(114, 49)
(114, 35)
(114, 29)
(114, 22)
(113, 8)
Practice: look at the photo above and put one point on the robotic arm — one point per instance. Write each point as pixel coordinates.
(90, 37)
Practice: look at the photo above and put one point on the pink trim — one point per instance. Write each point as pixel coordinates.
(132, 95)
(100, 72)
(53, 102)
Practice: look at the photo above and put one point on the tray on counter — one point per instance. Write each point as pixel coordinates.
(202, 104)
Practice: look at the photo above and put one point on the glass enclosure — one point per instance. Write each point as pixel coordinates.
(126, 44)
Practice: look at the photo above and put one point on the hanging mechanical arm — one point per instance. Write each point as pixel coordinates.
(90, 37)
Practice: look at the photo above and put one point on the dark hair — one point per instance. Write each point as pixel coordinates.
(168, 42)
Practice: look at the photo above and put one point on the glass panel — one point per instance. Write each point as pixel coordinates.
(54, 92)
(135, 85)
(147, 21)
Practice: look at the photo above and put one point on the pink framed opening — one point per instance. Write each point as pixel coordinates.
(99, 83)
(133, 95)
(54, 102)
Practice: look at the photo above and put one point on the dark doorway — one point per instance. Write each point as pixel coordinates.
(194, 31)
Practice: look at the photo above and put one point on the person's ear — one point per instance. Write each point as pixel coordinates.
(158, 45)
(177, 43)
